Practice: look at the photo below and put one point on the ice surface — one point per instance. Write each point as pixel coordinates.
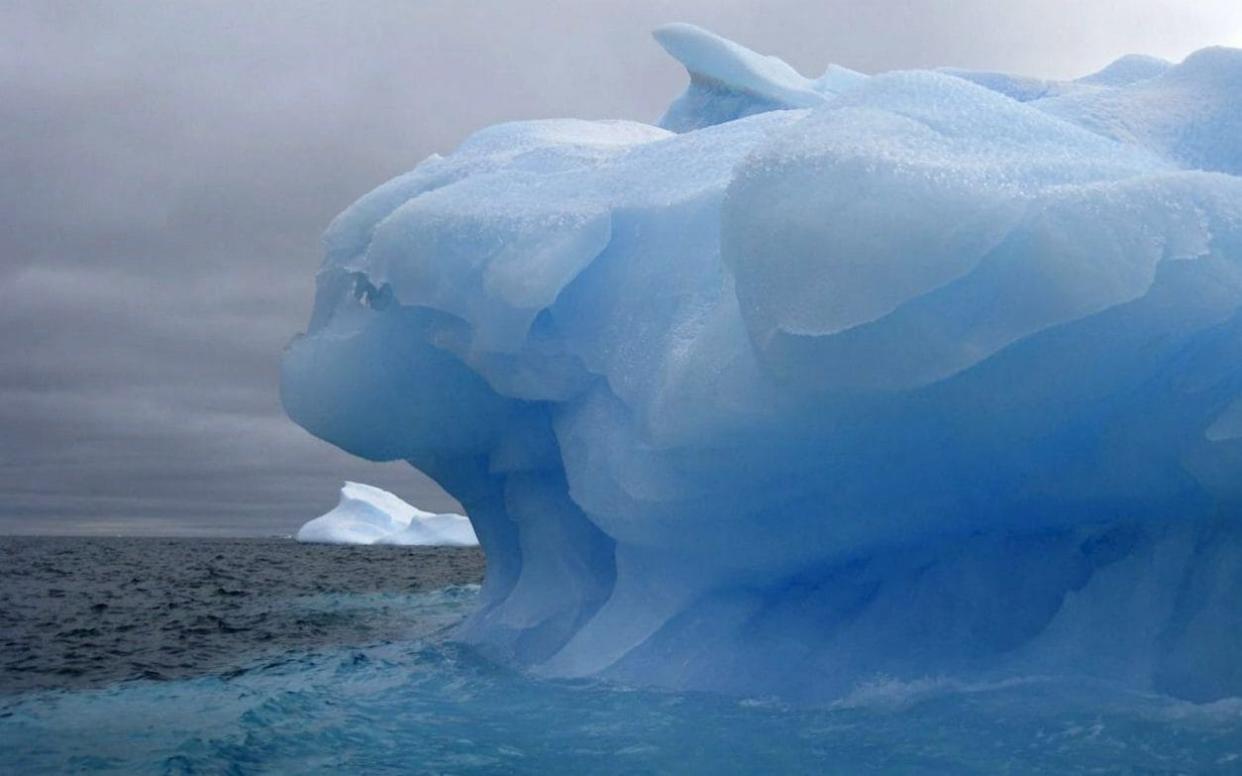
(1127, 70)
(366, 514)
(910, 374)
(1190, 113)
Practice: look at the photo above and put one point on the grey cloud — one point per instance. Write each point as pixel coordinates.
(166, 169)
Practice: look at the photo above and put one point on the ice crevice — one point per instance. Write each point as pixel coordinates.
(911, 374)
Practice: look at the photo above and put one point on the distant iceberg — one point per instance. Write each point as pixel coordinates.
(914, 374)
(368, 515)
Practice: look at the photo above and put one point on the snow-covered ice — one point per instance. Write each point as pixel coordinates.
(913, 374)
(366, 514)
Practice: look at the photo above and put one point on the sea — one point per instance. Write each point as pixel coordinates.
(240, 656)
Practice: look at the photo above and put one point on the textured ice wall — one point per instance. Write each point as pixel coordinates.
(909, 374)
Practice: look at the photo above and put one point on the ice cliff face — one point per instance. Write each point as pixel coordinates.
(909, 374)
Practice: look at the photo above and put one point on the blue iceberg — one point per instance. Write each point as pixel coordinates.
(908, 375)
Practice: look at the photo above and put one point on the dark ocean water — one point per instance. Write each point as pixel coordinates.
(87, 612)
(239, 657)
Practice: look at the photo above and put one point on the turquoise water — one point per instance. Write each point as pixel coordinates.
(426, 705)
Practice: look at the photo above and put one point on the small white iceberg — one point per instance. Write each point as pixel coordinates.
(370, 515)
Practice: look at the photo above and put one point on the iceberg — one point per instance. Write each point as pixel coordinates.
(366, 514)
(904, 375)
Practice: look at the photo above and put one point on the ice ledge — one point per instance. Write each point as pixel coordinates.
(729, 81)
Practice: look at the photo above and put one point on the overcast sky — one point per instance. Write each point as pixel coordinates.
(166, 169)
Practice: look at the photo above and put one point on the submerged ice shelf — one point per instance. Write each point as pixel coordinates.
(913, 374)
(366, 514)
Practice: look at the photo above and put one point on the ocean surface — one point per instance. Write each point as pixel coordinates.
(265, 656)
